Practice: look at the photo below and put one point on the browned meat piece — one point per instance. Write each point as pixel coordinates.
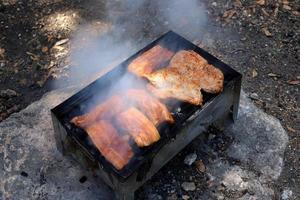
(169, 83)
(135, 123)
(185, 58)
(150, 106)
(150, 60)
(115, 149)
(105, 110)
(184, 78)
(155, 110)
(196, 69)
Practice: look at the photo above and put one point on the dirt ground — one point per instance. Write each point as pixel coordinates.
(258, 38)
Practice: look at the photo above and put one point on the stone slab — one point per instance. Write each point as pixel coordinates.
(27, 147)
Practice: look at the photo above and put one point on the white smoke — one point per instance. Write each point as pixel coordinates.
(131, 25)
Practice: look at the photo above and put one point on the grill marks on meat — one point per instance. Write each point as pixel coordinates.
(184, 78)
(150, 106)
(150, 60)
(114, 148)
(135, 123)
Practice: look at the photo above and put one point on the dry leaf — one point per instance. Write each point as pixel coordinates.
(61, 42)
(40, 83)
(200, 166)
(273, 75)
(23, 82)
(276, 12)
(49, 38)
(237, 3)
(2, 51)
(58, 48)
(266, 32)
(297, 13)
(265, 12)
(285, 2)
(261, 2)
(296, 82)
(254, 73)
(34, 58)
(30, 54)
(44, 49)
(287, 7)
(291, 129)
(228, 14)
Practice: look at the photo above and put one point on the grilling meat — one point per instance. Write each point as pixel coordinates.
(196, 69)
(114, 148)
(169, 83)
(135, 123)
(184, 78)
(150, 61)
(105, 110)
(150, 106)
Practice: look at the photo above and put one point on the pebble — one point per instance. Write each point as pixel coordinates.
(286, 194)
(185, 197)
(188, 186)
(214, 4)
(190, 159)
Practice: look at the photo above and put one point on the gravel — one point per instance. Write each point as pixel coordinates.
(190, 159)
(188, 186)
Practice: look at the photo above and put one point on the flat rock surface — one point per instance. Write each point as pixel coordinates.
(34, 169)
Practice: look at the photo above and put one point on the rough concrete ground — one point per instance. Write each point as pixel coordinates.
(243, 162)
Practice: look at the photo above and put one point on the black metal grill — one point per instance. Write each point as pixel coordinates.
(190, 121)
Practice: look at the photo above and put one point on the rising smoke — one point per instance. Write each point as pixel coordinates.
(131, 25)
